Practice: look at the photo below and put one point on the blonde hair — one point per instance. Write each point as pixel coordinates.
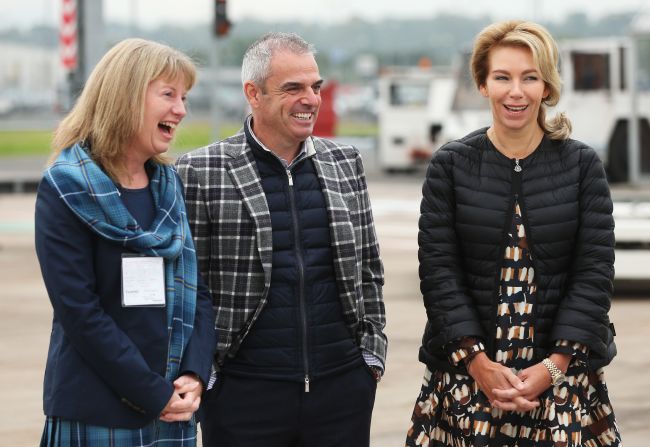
(110, 109)
(538, 40)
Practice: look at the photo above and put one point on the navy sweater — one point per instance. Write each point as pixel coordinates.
(300, 334)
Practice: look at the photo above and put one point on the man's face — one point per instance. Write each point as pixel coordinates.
(285, 108)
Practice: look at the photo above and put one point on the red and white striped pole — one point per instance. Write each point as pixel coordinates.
(68, 39)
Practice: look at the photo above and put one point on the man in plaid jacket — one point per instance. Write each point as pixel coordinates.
(285, 236)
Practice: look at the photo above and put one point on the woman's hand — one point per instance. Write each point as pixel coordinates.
(536, 380)
(501, 386)
(184, 401)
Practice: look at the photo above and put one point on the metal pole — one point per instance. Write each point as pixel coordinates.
(90, 43)
(633, 148)
(76, 77)
(215, 109)
(93, 45)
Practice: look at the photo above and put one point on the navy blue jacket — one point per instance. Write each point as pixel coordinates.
(301, 333)
(231, 226)
(106, 363)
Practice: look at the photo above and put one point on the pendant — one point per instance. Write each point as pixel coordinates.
(517, 167)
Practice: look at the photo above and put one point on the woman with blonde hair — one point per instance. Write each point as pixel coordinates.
(133, 330)
(516, 249)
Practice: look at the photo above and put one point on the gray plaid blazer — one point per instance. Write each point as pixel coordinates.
(231, 225)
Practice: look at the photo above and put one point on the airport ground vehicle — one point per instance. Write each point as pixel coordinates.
(407, 99)
(596, 96)
(419, 110)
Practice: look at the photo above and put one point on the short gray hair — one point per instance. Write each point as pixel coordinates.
(256, 66)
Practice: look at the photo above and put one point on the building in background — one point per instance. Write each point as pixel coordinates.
(30, 77)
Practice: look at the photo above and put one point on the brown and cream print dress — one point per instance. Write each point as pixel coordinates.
(452, 411)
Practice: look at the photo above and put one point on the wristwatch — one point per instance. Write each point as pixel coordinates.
(557, 376)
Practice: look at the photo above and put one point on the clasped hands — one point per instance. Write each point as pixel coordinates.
(184, 401)
(507, 390)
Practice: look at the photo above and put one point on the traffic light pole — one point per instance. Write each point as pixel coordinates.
(221, 28)
(216, 115)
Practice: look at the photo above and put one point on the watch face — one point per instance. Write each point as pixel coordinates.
(559, 379)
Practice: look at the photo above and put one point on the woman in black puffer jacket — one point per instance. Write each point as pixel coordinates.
(516, 266)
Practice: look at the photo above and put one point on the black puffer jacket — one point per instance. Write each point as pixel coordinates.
(467, 207)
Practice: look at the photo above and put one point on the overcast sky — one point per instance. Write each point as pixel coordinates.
(25, 13)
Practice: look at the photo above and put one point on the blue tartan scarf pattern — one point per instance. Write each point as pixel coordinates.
(95, 199)
(64, 433)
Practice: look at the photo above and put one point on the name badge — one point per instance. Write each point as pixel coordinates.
(143, 281)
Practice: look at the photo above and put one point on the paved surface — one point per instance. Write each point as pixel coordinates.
(25, 316)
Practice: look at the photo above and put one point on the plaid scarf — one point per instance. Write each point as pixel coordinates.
(95, 199)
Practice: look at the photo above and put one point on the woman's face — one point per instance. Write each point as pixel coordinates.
(164, 109)
(514, 88)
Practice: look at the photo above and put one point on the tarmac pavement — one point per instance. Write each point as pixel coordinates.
(25, 319)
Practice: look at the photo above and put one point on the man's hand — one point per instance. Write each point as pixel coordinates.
(185, 400)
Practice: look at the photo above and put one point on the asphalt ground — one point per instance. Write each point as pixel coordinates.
(25, 319)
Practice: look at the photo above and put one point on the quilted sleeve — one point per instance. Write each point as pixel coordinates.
(583, 313)
(451, 313)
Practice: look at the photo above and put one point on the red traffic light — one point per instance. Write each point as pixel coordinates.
(221, 22)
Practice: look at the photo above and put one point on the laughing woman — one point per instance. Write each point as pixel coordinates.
(132, 332)
(516, 249)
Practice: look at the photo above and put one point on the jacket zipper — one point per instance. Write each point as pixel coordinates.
(301, 280)
(515, 188)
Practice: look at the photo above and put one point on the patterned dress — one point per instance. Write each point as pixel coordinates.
(452, 411)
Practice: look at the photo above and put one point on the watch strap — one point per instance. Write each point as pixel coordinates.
(557, 376)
